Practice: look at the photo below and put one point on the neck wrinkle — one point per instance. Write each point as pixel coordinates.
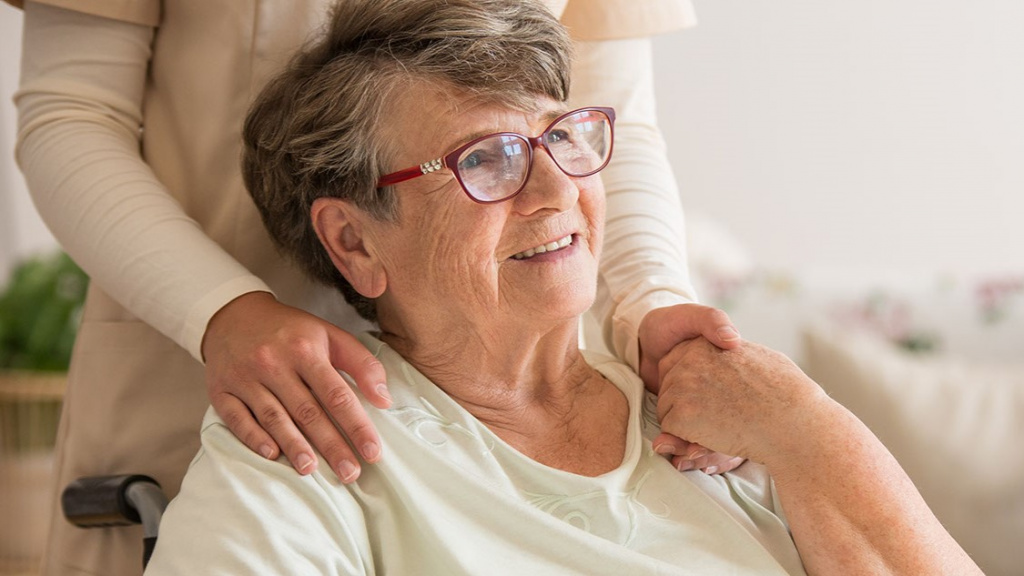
(497, 374)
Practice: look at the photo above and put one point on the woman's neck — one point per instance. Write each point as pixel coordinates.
(533, 389)
(497, 368)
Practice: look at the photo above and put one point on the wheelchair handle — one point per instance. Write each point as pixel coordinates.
(101, 501)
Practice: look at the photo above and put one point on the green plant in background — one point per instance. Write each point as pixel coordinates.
(39, 313)
(40, 310)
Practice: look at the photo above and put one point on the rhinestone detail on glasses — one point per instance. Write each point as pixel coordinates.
(432, 166)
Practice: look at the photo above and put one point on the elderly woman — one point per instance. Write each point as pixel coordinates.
(422, 159)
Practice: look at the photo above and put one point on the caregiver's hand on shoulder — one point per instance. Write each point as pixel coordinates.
(267, 364)
(660, 331)
(750, 401)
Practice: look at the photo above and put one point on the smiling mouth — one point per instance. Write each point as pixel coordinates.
(549, 247)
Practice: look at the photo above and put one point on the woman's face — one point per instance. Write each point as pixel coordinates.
(477, 264)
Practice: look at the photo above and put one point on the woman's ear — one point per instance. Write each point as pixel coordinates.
(341, 228)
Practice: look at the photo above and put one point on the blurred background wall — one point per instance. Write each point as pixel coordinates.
(22, 233)
(872, 134)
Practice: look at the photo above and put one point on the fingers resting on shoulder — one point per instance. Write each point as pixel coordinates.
(272, 374)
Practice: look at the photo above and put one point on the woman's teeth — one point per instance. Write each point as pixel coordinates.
(549, 247)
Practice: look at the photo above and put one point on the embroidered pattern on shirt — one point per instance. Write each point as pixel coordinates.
(426, 418)
(570, 508)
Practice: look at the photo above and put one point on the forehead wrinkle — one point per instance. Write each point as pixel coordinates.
(415, 102)
(461, 138)
(431, 100)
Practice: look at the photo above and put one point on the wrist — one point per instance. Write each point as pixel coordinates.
(220, 325)
(630, 313)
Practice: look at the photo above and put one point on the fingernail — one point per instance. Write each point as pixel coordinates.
(303, 463)
(267, 451)
(728, 333)
(663, 449)
(382, 391)
(711, 470)
(371, 450)
(347, 471)
(697, 454)
(684, 465)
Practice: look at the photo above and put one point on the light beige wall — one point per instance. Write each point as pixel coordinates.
(22, 233)
(870, 135)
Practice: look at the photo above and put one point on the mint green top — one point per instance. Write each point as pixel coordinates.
(450, 497)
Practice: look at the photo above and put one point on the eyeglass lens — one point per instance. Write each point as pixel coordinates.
(497, 167)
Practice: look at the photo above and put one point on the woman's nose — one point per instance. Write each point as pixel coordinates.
(548, 187)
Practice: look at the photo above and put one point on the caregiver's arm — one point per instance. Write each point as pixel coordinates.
(645, 298)
(643, 266)
(850, 507)
(80, 120)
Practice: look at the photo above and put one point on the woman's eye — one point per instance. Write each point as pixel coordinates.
(471, 160)
(558, 136)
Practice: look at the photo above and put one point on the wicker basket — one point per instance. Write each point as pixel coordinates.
(29, 412)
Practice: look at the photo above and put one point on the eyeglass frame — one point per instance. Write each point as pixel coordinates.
(450, 160)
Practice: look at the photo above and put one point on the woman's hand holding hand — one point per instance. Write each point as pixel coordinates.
(750, 401)
(660, 331)
(271, 369)
(663, 328)
(851, 508)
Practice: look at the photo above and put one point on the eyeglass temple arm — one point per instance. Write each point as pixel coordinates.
(410, 173)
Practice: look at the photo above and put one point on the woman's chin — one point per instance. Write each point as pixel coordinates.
(564, 301)
(558, 284)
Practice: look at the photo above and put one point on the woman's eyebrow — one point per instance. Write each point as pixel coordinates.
(550, 115)
(547, 118)
(464, 138)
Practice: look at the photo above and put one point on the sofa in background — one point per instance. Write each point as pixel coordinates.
(932, 362)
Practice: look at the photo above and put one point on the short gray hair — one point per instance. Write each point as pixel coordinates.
(314, 130)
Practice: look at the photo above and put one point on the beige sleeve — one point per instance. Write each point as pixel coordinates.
(643, 266)
(79, 122)
(617, 19)
(145, 12)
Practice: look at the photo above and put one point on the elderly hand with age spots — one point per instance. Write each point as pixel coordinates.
(851, 509)
(745, 401)
(660, 331)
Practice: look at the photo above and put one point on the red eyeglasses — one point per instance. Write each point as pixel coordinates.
(496, 167)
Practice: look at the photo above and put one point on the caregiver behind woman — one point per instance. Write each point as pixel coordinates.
(421, 158)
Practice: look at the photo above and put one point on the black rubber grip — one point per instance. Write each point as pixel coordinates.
(99, 501)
